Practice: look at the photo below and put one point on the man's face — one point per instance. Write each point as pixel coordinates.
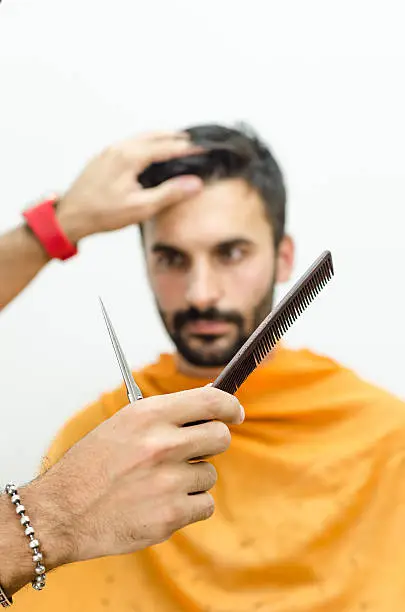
(212, 267)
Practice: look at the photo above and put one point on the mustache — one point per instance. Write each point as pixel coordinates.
(192, 315)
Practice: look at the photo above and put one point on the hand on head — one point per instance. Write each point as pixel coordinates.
(107, 196)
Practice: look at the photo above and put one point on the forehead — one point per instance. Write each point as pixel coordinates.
(222, 211)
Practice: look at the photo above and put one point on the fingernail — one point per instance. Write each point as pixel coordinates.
(190, 183)
(242, 413)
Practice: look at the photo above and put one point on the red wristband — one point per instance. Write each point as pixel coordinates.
(41, 219)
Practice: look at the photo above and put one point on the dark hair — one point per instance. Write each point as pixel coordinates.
(230, 153)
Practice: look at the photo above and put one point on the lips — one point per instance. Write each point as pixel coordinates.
(208, 327)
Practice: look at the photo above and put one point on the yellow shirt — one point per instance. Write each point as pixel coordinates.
(310, 505)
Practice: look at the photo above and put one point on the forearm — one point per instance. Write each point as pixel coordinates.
(21, 258)
(16, 566)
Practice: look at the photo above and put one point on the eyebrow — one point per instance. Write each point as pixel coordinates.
(234, 242)
(161, 247)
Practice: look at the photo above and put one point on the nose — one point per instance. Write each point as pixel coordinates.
(203, 289)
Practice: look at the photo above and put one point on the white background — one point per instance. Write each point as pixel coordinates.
(323, 82)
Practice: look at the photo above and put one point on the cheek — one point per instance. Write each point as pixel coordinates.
(255, 278)
(169, 290)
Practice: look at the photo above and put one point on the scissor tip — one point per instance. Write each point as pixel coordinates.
(103, 308)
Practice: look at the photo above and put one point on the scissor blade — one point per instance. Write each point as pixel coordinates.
(134, 392)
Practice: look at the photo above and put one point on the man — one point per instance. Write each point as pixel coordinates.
(139, 483)
(310, 503)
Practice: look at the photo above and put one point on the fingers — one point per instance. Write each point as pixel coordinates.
(188, 510)
(200, 508)
(168, 193)
(204, 477)
(140, 152)
(203, 404)
(162, 135)
(148, 138)
(198, 477)
(162, 150)
(205, 440)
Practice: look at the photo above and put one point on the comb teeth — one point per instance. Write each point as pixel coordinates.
(276, 324)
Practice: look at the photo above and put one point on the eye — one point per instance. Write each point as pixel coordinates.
(231, 254)
(170, 260)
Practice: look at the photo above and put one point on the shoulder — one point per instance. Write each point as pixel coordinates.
(348, 388)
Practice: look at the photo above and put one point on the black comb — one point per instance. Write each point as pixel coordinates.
(274, 326)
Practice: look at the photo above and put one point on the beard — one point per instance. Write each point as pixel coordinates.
(212, 350)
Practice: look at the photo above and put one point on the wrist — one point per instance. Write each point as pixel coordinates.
(52, 527)
(43, 221)
(17, 568)
(50, 517)
(72, 222)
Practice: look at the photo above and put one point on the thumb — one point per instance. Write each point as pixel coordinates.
(170, 192)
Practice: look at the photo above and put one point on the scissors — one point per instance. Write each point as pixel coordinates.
(133, 391)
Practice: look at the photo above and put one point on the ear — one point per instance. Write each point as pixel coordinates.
(285, 259)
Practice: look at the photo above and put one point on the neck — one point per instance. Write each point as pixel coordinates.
(194, 371)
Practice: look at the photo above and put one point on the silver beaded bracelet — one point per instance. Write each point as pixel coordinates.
(5, 602)
(38, 582)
